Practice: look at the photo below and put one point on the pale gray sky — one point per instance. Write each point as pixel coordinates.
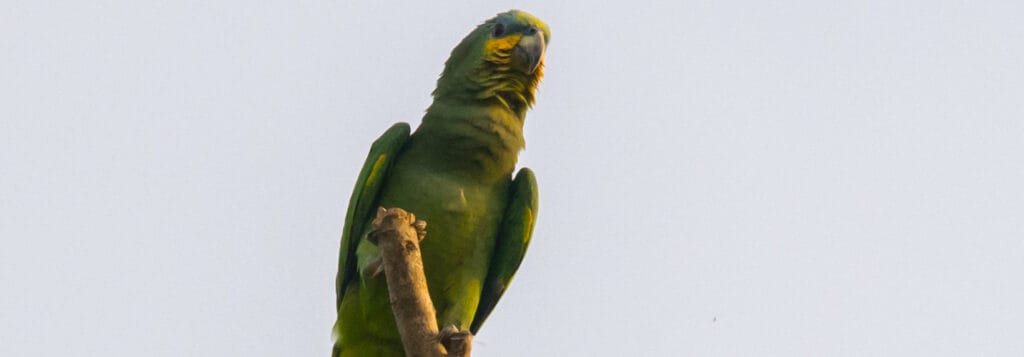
(717, 178)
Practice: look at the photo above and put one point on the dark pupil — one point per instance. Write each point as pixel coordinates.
(499, 30)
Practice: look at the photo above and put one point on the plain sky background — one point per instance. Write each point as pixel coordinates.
(717, 178)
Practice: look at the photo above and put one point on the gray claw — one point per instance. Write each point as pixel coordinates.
(421, 230)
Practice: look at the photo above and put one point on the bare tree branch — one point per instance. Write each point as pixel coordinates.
(398, 235)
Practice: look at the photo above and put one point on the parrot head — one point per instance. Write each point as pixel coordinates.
(500, 61)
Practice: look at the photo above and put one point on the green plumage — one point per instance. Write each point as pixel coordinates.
(455, 172)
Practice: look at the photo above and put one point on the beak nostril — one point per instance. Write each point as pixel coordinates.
(532, 30)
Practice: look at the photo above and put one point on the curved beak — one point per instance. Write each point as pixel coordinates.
(531, 48)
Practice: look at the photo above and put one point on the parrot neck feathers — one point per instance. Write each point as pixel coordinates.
(483, 139)
(491, 86)
(494, 81)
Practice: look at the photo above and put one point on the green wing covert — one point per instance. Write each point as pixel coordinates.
(513, 239)
(362, 205)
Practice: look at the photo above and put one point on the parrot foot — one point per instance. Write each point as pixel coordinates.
(447, 332)
(421, 229)
(456, 342)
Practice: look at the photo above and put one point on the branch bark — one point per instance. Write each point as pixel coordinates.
(398, 234)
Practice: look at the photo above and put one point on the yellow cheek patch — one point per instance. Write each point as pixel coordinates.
(501, 44)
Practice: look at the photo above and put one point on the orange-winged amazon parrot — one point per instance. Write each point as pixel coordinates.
(454, 172)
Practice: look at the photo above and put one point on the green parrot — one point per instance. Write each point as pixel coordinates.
(454, 172)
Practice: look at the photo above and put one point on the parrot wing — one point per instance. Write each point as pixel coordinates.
(513, 239)
(362, 205)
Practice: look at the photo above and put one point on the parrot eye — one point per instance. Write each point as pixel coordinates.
(499, 30)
